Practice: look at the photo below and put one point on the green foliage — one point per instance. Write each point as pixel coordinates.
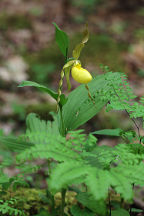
(120, 212)
(44, 89)
(120, 96)
(62, 40)
(6, 158)
(95, 168)
(1, 132)
(6, 209)
(74, 158)
(77, 211)
(79, 166)
(40, 128)
(87, 200)
(14, 144)
(43, 213)
(79, 108)
(3, 178)
(109, 132)
(41, 87)
(47, 140)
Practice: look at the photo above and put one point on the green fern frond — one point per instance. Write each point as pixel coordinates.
(54, 149)
(14, 144)
(87, 200)
(26, 168)
(67, 173)
(134, 173)
(121, 184)
(37, 130)
(80, 160)
(6, 209)
(97, 183)
(100, 157)
(129, 153)
(50, 144)
(79, 141)
(120, 95)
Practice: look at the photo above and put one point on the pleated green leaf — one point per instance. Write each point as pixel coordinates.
(79, 108)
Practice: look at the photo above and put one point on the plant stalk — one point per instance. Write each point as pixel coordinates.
(109, 204)
(63, 193)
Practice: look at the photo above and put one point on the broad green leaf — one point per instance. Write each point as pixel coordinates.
(39, 86)
(62, 40)
(109, 132)
(79, 108)
(44, 89)
(120, 212)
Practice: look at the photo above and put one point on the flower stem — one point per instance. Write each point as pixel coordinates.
(63, 193)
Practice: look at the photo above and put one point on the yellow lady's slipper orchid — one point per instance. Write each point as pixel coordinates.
(80, 74)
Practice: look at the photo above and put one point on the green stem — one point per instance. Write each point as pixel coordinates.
(130, 209)
(89, 95)
(109, 199)
(63, 193)
(63, 132)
